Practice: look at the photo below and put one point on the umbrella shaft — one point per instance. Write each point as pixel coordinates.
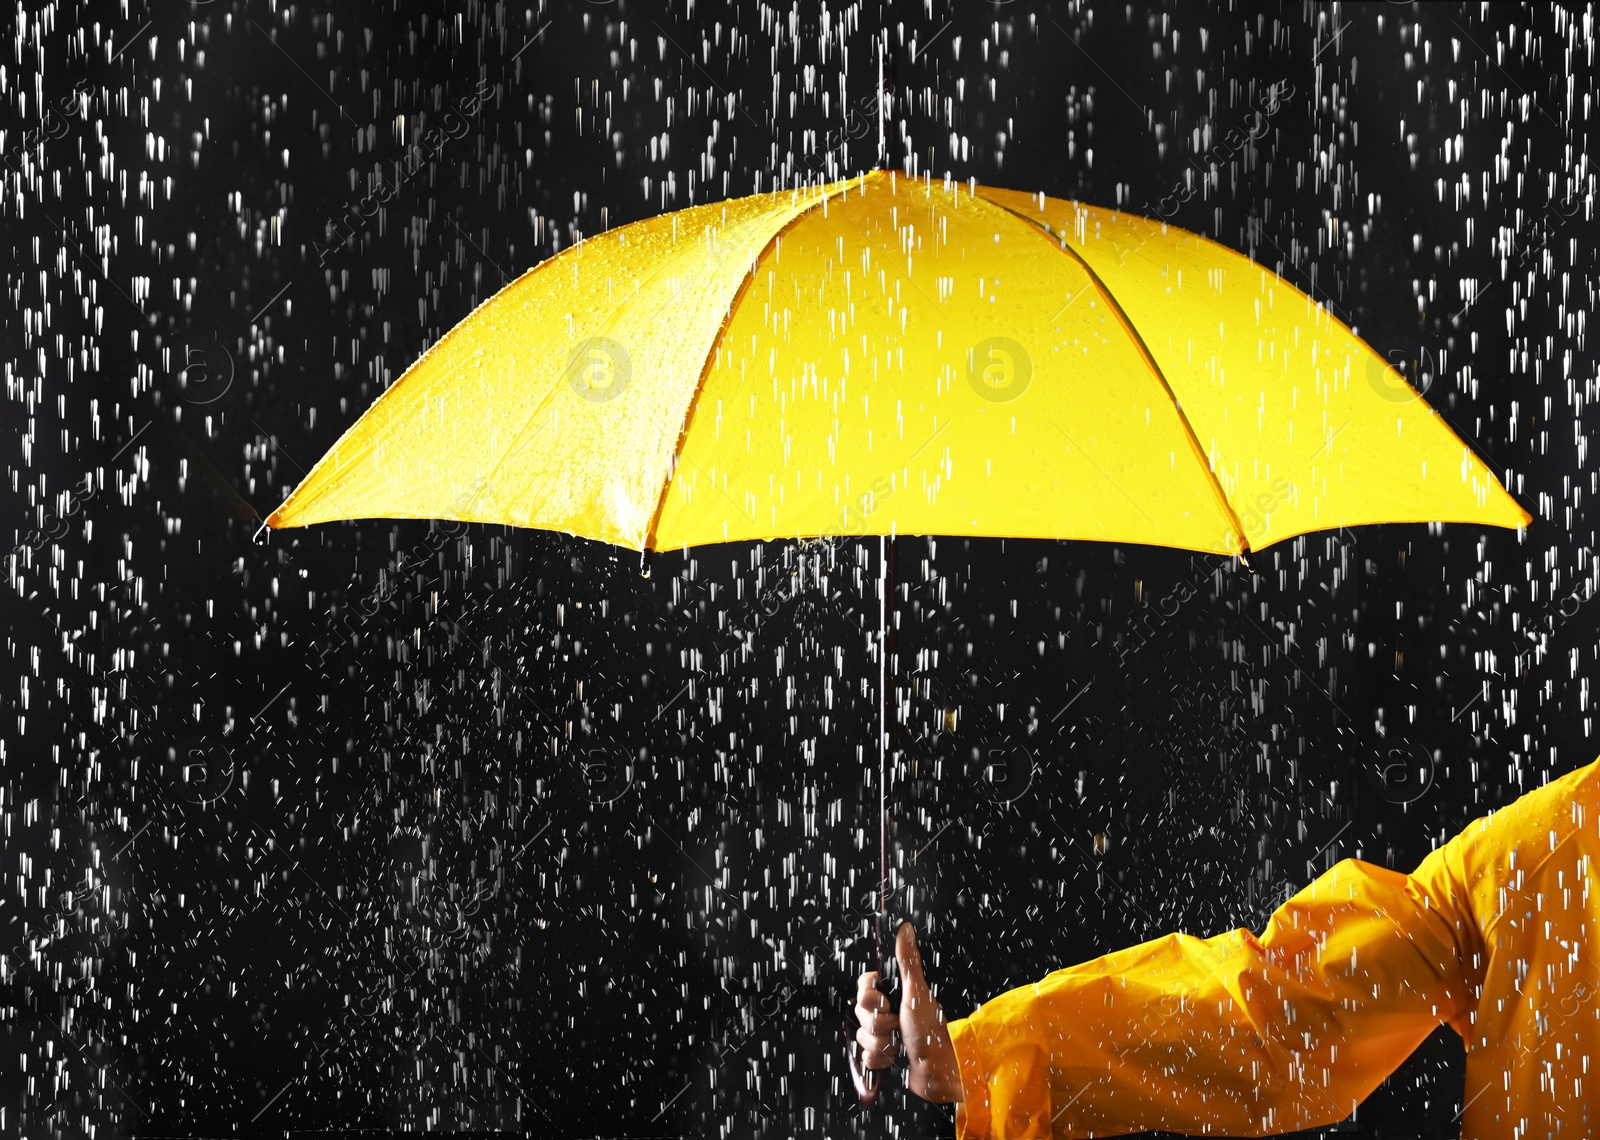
(883, 139)
(886, 559)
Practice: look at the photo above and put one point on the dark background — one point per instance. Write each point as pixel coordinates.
(444, 827)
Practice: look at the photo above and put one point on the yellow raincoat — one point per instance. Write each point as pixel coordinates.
(1240, 1035)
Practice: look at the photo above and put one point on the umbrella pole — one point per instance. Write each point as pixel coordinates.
(885, 730)
(883, 138)
(867, 1080)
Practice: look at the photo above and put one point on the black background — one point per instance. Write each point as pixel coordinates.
(422, 826)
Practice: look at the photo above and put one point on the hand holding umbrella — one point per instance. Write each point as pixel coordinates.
(919, 1023)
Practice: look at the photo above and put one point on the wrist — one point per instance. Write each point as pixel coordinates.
(972, 1108)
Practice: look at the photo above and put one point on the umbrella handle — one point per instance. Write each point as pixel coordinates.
(868, 1082)
(885, 929)
(865, 1079)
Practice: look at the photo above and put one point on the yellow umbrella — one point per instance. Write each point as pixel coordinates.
(898, 355)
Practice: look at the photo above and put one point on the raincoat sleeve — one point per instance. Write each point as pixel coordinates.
(1234, 1034)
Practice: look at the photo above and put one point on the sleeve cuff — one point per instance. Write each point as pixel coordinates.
(972, 1114)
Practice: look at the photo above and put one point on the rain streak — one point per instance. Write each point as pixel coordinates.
(541, 532)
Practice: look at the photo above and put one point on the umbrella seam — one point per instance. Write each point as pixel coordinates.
(313, 495)
(662, 267)
(1144, 351)
(716, 345)
(1339, 323)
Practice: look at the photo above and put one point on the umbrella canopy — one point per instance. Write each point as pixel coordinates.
(899, 355)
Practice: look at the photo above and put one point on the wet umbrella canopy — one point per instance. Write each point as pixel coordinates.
(1004, 365)
(448, 825)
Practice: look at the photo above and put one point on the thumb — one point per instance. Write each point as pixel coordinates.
(914, 987)
(933, 1074)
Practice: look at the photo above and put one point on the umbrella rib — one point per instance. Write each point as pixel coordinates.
(716, 347)
(1150, 362)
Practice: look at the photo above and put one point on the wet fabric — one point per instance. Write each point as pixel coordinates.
(892, 355)
(1246, 1035)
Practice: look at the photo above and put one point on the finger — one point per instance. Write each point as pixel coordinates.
(913, 984)
(868, 995)
(877, 1052)
(866, 1081)
(879, 1024)
(933, 1073)
(919, 1013)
